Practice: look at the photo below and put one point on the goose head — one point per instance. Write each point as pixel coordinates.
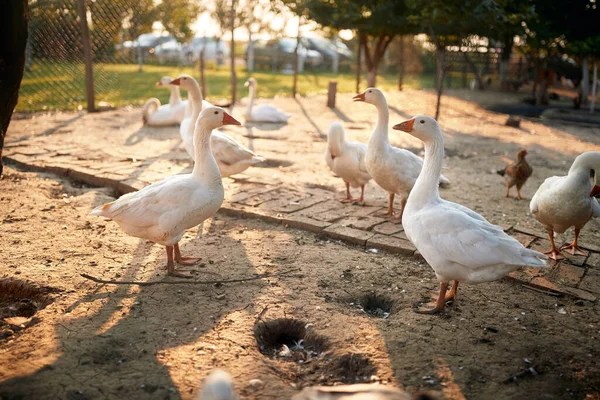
(185, 81)
(371, 95)
(589, 162)
(164, 81)
(251, 82)
(215, 117)
(422, 127)
(336, 136)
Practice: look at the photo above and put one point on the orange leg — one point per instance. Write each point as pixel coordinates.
(183, 260)
(390, 210)
(440, 303)
(348, 197)
(452, 293)
(575, 250)
(361, 199)
(171, 265)
(554, 253)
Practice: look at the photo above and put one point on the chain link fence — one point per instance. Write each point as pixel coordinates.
(54, 77)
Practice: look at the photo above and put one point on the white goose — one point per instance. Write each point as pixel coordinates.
(154, 114)
(162, 211)
(458, 243)
(568, 201)
(232, 157)
(262, 112)
(347, 160)
(395, 170)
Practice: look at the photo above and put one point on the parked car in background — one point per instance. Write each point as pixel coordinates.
(328, 50)
(279, 54)
(147, 42)
(213, 49)
(169, 51)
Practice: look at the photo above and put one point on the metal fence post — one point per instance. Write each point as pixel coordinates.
(87, 56)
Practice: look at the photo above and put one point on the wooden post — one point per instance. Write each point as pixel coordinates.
(87, 56)
(401, 63)
(233, 77)
(358, 57)
(594, 85)
(202, 79)
(295, 83)
(331, 92)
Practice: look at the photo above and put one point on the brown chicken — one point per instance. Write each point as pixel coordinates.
(516, 174)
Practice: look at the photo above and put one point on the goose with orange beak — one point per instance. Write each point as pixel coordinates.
(164, 210)
(155, 114)
(568, 201)
(459, 244)
(395, 170)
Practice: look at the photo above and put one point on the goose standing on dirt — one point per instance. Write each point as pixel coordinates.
(395, 170)
(459, 244)
(347, 160)
(262, 112)
(154, 114)
(162, 211)
(232, 157)
(568, 201)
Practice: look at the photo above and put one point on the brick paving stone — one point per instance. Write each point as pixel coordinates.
(531, 231)
(348, 234)
(305, 223)
(247, 192)
(591, 281)
(295, 204)
(363, 211)
(391, 244)
(364, 223)
(401, 235)
(524, 239)
(566, 274)
(388, 228)
(593, 260)
(520, 276)
(582, 294)
(589, 246)
(543, 245)
(543, 283)
(333, 214)
(505, 227)
(257, 199)
(318, 208)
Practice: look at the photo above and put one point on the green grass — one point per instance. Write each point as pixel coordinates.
(61, 86)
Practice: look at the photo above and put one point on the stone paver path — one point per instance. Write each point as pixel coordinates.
(53, 147)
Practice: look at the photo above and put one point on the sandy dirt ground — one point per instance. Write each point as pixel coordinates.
(104, 341)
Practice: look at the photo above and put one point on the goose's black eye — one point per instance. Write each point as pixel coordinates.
(422, 121)
(370, 91)
(216, 112)
(592, 173)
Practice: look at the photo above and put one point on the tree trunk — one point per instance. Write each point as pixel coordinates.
(401, 63)
(233, 77)
(358, 61)
(374, 56)
(202, 79)
(13, 39)
(585, 81)
(295, 84)
(473, 68)
(594, 86)
(440, 58)
(504, 62)
(250, 60)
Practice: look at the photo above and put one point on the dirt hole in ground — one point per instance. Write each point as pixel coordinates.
(350, 368)
(289, 339)
(375, 305)
(274, 163)
(19, 301)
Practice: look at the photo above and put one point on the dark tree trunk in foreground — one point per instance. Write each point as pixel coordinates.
(401, 63)
(373, 56)
(440, 53)
(358, 61)
(296, 60)
(13, 39)
(505, 62)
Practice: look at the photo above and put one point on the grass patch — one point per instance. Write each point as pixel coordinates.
(61, 86)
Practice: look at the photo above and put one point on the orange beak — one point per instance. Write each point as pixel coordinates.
(405, 126)
(229, 120)
(176, 82)
(359, 97)
(595, 191)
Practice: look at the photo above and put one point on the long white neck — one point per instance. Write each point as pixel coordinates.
(426, 186)
(380, 134)
(195, 96)
(205, 166)
(175, 95)
(251, 100)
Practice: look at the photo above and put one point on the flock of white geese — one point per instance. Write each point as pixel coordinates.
(458, 243)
